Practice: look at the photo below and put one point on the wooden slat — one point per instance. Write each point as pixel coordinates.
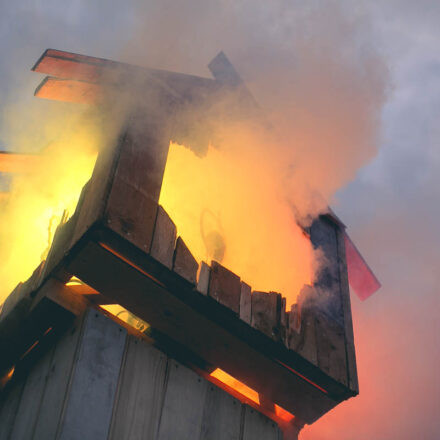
(69, 90)
(141, 391)
(225, 287)
(57, 384)
(245, 303)
(348, 321)
(258, 427)
(303, 339)
(17, 162)
(330, 344)
(90, 402)
(184, 263)
(31, 399)
(164, 239)
(265, 313)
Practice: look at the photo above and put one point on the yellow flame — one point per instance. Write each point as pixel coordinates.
(228, 206)
(40, 199)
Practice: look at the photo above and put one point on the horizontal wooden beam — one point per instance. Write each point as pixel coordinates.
(17, 162)
(68, 90)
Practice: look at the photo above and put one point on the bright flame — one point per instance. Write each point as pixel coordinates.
(40, 199)
(236, 385)
(228, 206)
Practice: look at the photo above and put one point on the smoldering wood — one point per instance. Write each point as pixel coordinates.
(184, 263)
(164, 239)
(225, 287)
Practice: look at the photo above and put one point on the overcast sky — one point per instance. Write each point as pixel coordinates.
(391, 207)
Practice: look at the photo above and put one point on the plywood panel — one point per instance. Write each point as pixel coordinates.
(90, 402)
(57, 384)
(221, 416)
(141, 391)
(8, 409)
(258, 427)
(182, 413)
(27, 411)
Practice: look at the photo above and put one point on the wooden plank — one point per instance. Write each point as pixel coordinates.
(245, 303)
(221, 416)
(69, 90)
(11, 162)
(164, 238)
(258, 427)
(348, 321)
(10, 400)
(199, 324)
(184, 263)
(225, 287)
(182, 413)
(89, 405)
(265, 313)
(203, 278)
(58, 380)
(141, 391)
(31, 399)
(330, 344)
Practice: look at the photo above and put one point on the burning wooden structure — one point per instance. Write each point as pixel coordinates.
(216, 356)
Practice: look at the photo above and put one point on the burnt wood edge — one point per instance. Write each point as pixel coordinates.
(218, 313)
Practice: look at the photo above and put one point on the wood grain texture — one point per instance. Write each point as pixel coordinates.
(225, 287)
(258, 427)
(89, 405)
(140, 392)
(302, 339)
(184, 263)
(57, 384)
(265, 313)
(31, 399)
(164, 238)
(184, 402)
(245, 303)
(330, 345)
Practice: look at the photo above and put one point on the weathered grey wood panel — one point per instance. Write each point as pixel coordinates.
(31, 399)
(221, 416)
(89, 405)
(258, 427)
(57, 384)
(182, 413)
(8, 409)
(140, 394)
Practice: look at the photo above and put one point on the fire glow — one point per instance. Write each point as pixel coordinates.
(228, 206)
